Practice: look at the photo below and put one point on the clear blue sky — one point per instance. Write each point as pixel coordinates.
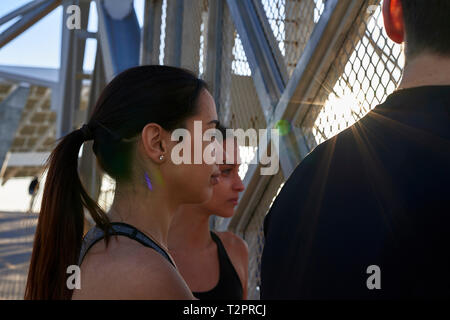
(40, 44)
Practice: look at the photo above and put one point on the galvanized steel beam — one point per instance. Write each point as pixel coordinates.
(29, 14)
(151, 32)
(72, 54)
(119, 35)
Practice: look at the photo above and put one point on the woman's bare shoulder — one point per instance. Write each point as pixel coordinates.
(125, 269)
(237, 250)
(233, 242)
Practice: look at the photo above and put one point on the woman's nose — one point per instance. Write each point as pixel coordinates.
(239, 185)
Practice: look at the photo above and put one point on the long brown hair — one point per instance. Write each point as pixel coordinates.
(140, 95)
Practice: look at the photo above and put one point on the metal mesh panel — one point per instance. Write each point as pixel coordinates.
(239, 65)
(367, 68)
(243, 103)
(292, 22)
(253, 235)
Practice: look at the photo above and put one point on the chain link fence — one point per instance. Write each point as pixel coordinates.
(292, 22)
(367, 68)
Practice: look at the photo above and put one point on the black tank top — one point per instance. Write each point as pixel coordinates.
(229, 286)
(95, 234)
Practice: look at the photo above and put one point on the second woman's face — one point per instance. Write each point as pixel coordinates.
(226, 192)
(193, 182)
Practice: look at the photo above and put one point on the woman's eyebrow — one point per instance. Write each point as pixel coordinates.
(216, 122)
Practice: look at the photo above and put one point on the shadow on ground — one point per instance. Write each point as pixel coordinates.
(16, 243)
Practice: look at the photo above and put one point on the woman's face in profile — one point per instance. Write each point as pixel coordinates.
(193, 182)
(226, 191)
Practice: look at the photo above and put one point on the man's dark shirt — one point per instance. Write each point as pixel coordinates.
(378, 194)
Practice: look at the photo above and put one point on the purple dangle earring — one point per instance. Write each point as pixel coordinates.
(149, 184)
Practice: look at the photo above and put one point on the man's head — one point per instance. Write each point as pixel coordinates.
(424, 25)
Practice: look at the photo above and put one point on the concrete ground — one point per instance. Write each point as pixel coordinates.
(16, 243)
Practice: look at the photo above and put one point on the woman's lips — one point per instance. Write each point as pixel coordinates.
(234, 201)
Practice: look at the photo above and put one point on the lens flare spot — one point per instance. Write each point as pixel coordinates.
(283, 126)
(147, 179)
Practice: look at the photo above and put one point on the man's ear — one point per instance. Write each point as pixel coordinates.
(393, 20)
(153, 141)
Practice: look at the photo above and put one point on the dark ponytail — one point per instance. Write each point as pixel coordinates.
(140, 95)
(60, 227)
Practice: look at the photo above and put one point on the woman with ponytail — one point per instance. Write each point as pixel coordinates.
(125, 255)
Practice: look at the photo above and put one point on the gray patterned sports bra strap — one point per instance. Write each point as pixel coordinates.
(96, 234)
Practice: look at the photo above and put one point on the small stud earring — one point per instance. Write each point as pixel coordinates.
(161, 157)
